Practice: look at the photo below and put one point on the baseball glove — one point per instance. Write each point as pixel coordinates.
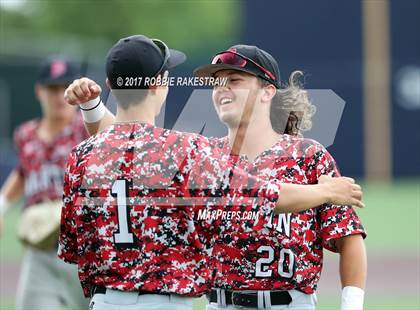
(40, 224)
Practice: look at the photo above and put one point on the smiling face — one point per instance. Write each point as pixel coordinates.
(244, 99)
(231, 100)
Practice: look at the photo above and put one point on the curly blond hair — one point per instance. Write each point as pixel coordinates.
(291, 109)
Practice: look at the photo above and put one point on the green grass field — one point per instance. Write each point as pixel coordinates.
(392, 218)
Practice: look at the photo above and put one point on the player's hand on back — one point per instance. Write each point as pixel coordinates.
(343, 191)
(82, 90)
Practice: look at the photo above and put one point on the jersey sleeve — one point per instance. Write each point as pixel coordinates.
(67, 243)
(335, 221)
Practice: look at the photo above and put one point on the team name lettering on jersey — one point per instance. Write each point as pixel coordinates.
(283, 223)
(47, 177)
(42, 163)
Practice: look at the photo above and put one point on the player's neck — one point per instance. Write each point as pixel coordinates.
(252, 139)
(140, 113)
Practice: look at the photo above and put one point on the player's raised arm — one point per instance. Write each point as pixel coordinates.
(86, 93)
(290, 198)
(339, 191)
(281, 197)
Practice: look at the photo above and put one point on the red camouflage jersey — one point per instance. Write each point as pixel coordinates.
(41, 163)
(288, 252)
(126, 221)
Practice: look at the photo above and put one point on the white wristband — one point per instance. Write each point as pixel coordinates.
(352, 298)
(93, 111)
(4, 205)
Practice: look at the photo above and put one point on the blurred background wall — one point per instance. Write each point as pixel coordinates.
(324, 39)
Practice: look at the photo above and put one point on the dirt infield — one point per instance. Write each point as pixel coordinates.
(399, 275)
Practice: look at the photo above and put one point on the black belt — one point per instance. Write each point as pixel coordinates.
(102, 290)
(250, 300)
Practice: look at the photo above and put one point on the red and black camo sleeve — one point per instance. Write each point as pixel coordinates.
(335, 221)
(67, 244)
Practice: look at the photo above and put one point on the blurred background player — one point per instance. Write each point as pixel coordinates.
(281, 265)
(43, 146)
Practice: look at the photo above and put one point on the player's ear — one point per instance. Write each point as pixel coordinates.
(108, 83)
(37, 90)
(269, 92)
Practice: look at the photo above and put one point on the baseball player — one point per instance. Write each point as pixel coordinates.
(43, 146)
(279, 267)
(151, 253)
(302, 152)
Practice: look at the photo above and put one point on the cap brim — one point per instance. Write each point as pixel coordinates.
(175, 58)
(210, 70)
(56, 82)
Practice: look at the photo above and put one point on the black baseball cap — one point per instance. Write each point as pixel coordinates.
(56, 70)
(139, 56)
(245, 58)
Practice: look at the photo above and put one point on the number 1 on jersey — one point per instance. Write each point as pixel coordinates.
(123, 236)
